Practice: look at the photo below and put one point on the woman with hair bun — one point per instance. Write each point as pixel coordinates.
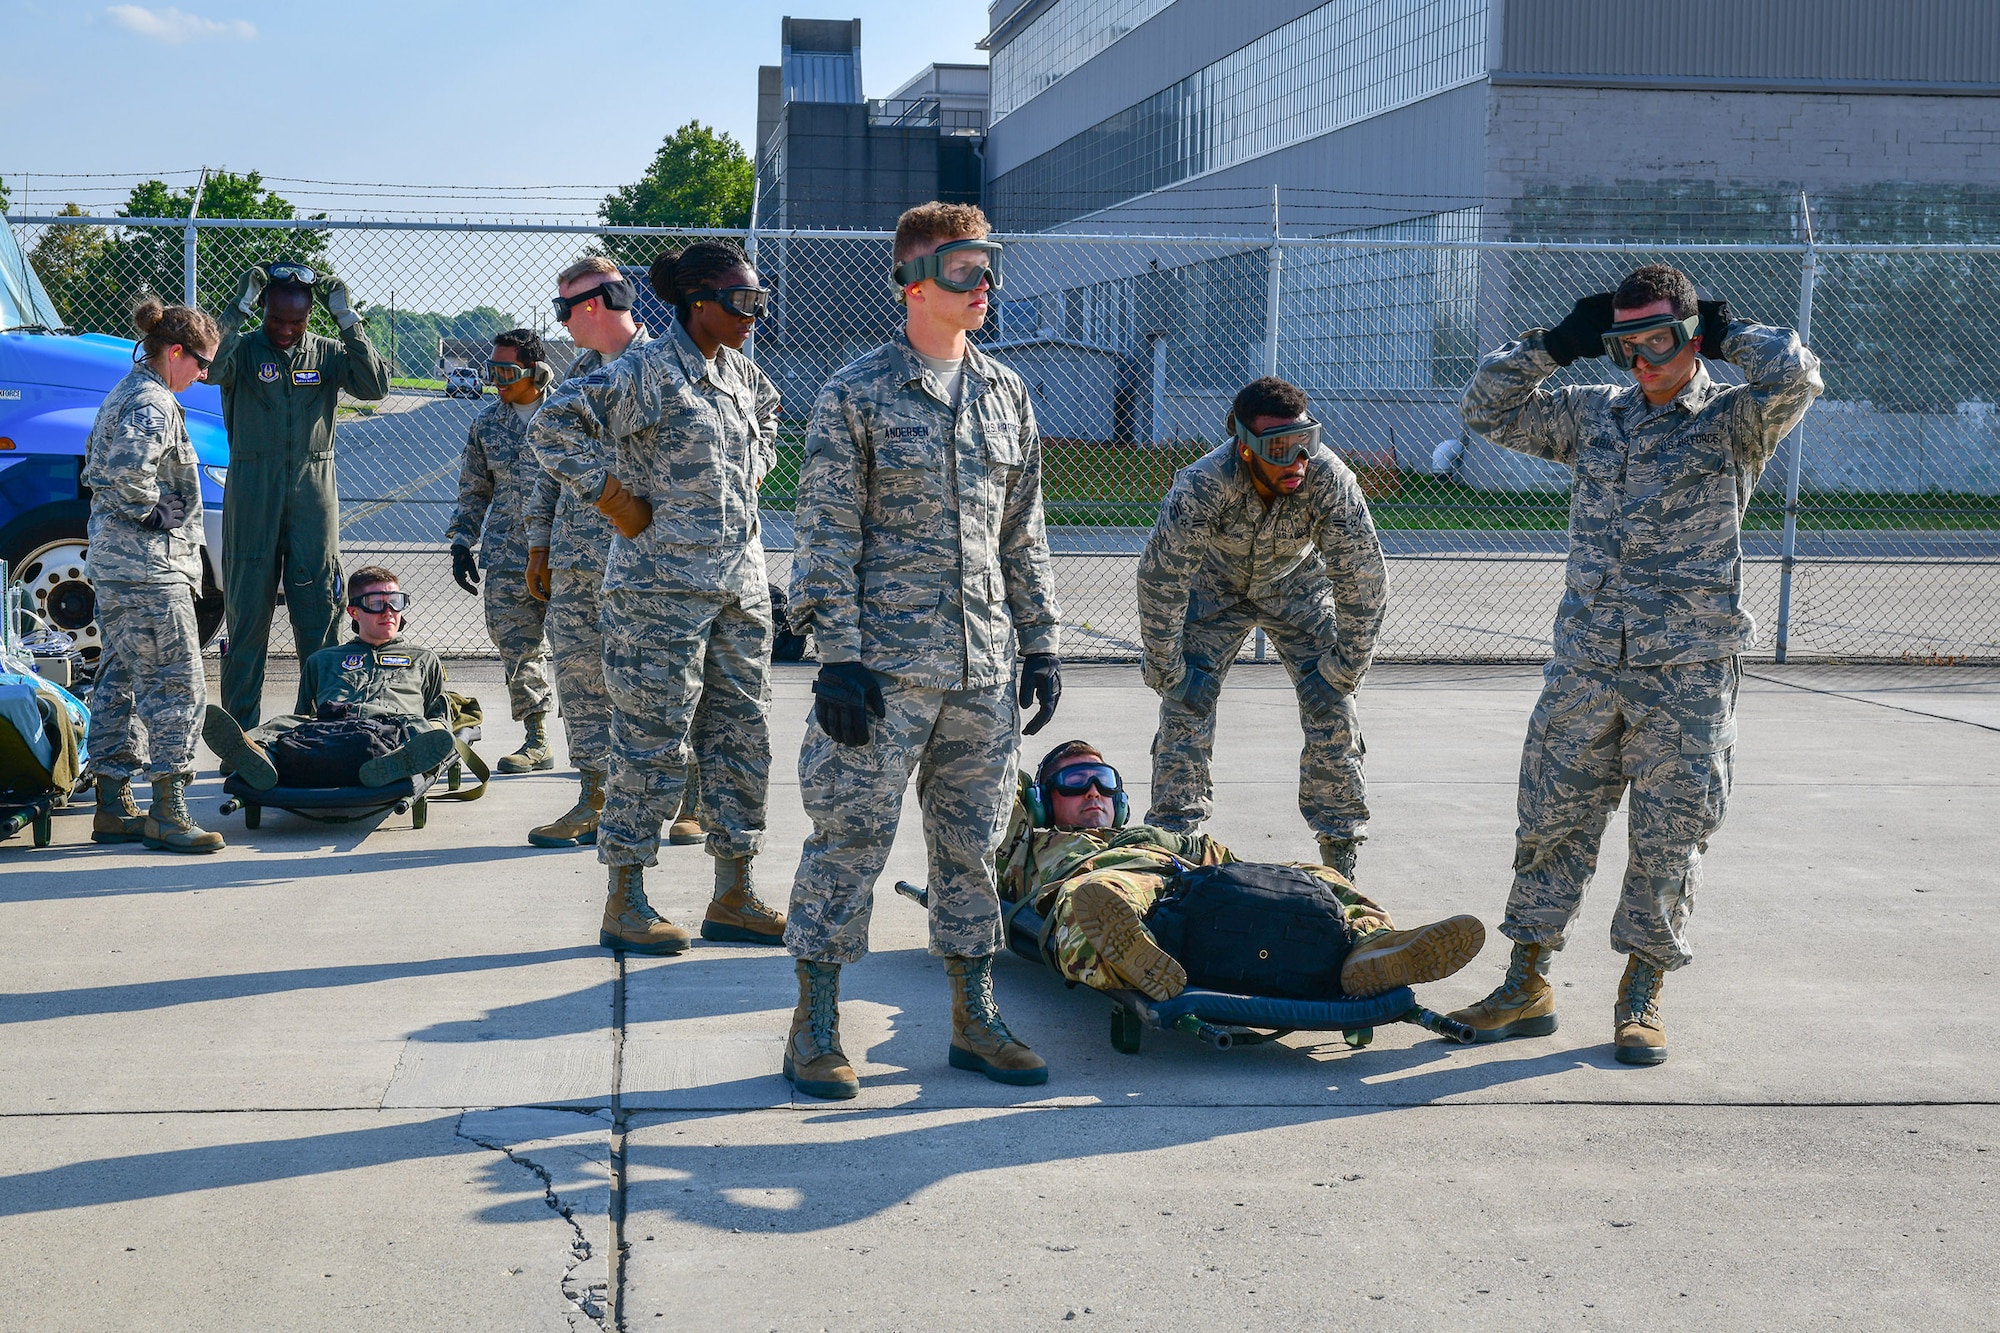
(145, 562)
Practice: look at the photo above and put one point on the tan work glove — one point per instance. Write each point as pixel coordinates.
(627, 512)
(538, 573)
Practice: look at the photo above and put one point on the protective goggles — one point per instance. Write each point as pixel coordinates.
(286, 270)
(503, 373)
(1076, 779)
(956, 266)
(375, 603)
(1280, 446)
(1659, 339)
(747, 302)
(616, 293)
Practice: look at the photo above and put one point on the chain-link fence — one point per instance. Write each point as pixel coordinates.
(1875, 532)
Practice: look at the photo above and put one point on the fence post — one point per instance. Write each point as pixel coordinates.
(750, 253)
(1788, 558)
(1274, 268)
(187, 243)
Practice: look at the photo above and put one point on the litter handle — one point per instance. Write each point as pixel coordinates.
(921, 897)
(1448, 1028)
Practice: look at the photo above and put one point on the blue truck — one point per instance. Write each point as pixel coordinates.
(52, 381)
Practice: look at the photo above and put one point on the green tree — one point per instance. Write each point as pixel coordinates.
(4, 194)
(70, 263)
(699, 178)
(153, 256)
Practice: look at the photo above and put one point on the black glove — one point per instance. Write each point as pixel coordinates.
(1041, 682)
(170, 512)
(1318, 699)
(1581, 333)
(843, 697)
(1714, 327)
(464, 568)
(1199, 689)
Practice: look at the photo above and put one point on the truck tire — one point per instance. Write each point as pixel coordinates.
(45, 550)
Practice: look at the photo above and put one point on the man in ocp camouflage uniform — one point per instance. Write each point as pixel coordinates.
(1642, 688)
(921, 562)
(1268, 531)
(1093, 878)
(495, 481)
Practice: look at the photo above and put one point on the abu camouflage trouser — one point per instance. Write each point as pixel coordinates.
(1075, 955)
(514, 620)
(577, 641)
(960, 744)
(1665, 732)
(1333, 797)
(149, 679)
(686, 668)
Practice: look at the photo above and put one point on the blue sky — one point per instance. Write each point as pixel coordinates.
(496, 94)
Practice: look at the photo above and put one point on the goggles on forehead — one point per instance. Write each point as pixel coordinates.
(616, 293)
(1076, 779)
(956, 266)
(503, 373)
(375, 603)
(748, 302)
(1280, 446)
(1658, 338)
(286, 270)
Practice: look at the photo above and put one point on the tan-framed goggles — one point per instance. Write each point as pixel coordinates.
(1280, 446)
(500, 374)
(1657, 338)
(956, 266)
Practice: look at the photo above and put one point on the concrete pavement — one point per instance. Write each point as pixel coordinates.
(365, 1077)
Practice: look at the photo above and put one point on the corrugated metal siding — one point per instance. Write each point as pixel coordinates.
(1836, 41)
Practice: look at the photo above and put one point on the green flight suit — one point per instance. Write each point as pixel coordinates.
(280, 510)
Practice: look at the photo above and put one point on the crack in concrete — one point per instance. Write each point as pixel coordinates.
(588, 1299)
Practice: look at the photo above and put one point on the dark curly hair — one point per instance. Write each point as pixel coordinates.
(1656, 282)
(527, 345)
(677, 274)
(1269, 397)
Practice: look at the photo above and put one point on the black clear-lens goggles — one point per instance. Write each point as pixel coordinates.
(953, 268)
(286, 270)
(375, 603)
(747, 302)
(1076, 779)
(504, 373)
(1280, 446)
(616, 293)
(1658, 338)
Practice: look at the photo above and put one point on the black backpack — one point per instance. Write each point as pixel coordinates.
(1254, 929)
(330, 752)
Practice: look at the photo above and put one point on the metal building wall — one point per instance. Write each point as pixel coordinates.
(1945, 46)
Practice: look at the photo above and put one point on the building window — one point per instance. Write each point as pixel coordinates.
(1342, 63)
(1066, 35)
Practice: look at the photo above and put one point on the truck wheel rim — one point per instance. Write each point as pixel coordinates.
(57, 589)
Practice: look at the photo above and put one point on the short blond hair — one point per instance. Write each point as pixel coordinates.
(936, 221)
(584, 267)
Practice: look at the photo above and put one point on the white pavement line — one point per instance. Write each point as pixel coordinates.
(587, 1299)
(1858, 699)
(614, 1210)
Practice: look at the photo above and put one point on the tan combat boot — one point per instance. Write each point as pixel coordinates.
(1124, 946)
(534, 756)
(814, 1062)
(169, 827)
(980, 1040)
(1523, 1006)
(686, 830)
(237, 752)
(631, 924)
(1391, 958)
(1639, 1034)
(118, 818)
(577, 827)
(1340, 854)
(736, 915)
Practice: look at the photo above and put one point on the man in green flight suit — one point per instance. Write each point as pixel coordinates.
(280, 511)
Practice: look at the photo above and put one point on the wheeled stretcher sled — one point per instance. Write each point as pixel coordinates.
(345, 805)
(42, 735)
(1218, 1018)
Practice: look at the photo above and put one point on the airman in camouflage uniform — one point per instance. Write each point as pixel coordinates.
(686, 613)
(1306, 567)
(145, 562)
(1093, 883)
(495, 483)
(1642, 688)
